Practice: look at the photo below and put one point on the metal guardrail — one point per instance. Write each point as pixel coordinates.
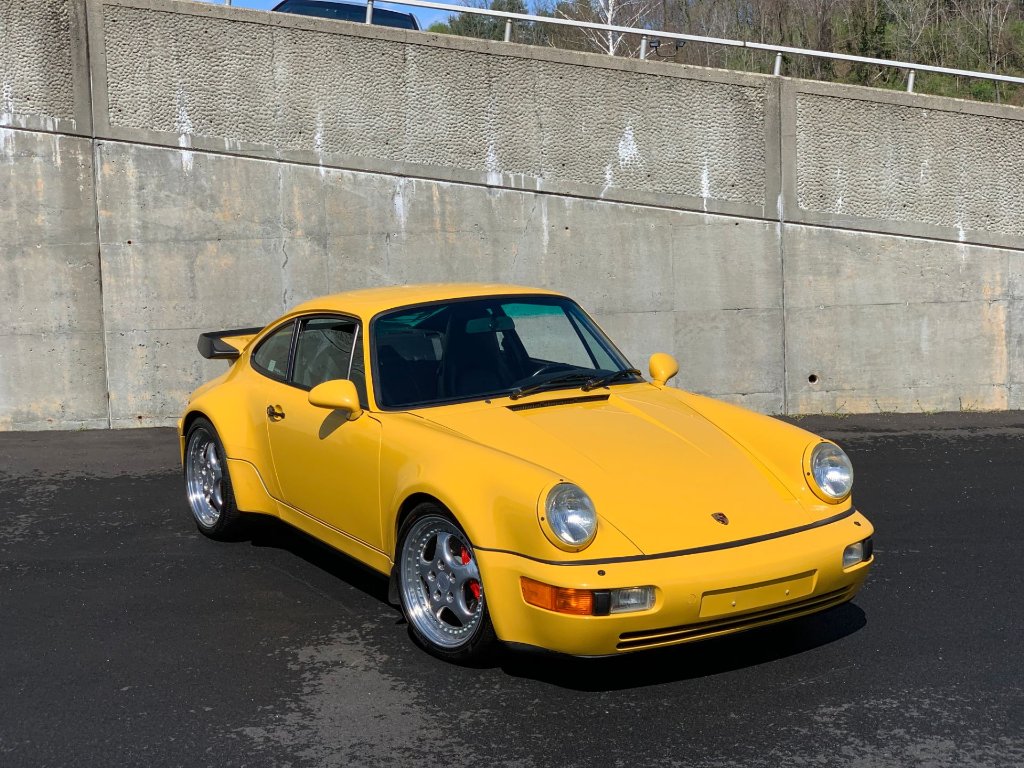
(647, 35)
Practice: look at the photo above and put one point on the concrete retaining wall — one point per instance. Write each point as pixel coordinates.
(800, 247)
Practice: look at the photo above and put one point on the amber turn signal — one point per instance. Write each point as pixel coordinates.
(559, 599)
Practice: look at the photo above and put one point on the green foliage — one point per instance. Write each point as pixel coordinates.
(490, 27)
(974, 35)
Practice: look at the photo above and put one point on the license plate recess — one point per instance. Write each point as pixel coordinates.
(723, 602)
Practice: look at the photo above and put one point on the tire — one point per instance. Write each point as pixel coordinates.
(440, 590)
(208, 484)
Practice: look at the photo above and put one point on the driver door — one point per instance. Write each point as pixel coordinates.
(327, 465)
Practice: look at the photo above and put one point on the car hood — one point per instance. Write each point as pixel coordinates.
(656, 469)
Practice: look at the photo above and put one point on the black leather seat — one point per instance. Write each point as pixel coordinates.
(474, 362)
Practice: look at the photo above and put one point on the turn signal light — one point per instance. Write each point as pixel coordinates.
(586, 602)
(559, 599)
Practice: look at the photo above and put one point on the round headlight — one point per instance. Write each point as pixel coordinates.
(831, 471)
(570, 516)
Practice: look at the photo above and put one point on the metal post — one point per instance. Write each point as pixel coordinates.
(778, 64)
(643, 47)
(508, 30)
(910, 82)
(369, 11)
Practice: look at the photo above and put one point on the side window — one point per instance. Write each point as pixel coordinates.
(325, 352)
(271, 357)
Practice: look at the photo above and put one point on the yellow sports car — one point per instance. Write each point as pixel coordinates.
(488, 449)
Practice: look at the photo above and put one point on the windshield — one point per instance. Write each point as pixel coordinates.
(495, 346)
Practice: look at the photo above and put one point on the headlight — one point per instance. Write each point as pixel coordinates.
(569, 517)
(831, 472)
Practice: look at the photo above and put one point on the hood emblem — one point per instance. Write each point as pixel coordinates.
(720, 518)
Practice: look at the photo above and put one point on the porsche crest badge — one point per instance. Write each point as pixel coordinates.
(719, 517)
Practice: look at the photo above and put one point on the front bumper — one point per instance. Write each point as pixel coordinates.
(697, 596)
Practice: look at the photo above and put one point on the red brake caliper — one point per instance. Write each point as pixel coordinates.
(474, 586)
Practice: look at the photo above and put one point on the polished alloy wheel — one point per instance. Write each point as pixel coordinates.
(204, 478)
(440, 583)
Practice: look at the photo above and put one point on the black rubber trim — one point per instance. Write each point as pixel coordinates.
(683, 552)
(560, 401)
(212, 346)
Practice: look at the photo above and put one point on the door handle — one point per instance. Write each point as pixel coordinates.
(274, 412)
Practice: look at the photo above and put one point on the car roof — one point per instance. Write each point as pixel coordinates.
(348, 11)
(368, 302)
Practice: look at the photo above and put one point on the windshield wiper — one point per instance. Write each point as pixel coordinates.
(601, 381)
(565, 378)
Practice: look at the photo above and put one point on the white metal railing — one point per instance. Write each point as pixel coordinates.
(647, 35)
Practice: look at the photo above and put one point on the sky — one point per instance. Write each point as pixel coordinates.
(425, 16)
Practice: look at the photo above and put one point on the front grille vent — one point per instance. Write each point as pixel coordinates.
(630, 641)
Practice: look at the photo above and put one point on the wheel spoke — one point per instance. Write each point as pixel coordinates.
(425, 568)
(465, 573)
(444, 552)
(210, 454)
(217, 496)
(461, 609)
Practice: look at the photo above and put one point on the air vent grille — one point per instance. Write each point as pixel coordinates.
(560, 401)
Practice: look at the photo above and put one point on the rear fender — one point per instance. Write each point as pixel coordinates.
(244, 437)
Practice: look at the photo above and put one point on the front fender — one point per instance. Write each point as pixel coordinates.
(494, 495)
(779, 446)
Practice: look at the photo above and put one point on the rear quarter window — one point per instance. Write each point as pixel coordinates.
(271, 356)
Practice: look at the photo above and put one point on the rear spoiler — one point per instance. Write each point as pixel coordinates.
(225, 345)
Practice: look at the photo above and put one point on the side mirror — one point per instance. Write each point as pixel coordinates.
(337, 394)
(662, 366)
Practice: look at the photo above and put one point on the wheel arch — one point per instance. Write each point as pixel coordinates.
(404, 513)
(405, 510)
(227, 440)
(244, 468)
(190, 418)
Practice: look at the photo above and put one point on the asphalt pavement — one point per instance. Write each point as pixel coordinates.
(126, 638)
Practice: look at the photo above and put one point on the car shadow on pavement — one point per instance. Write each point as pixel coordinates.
(692, 660)
(633, 670)
(262, 531)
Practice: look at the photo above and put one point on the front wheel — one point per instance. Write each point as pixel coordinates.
(441, 591)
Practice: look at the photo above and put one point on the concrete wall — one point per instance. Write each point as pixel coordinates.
(800, 247)
(52, 369)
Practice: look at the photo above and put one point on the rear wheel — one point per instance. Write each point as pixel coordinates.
(441, 591)
(207, 483)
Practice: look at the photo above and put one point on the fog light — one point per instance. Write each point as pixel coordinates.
(632, 599)
(857, 553)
